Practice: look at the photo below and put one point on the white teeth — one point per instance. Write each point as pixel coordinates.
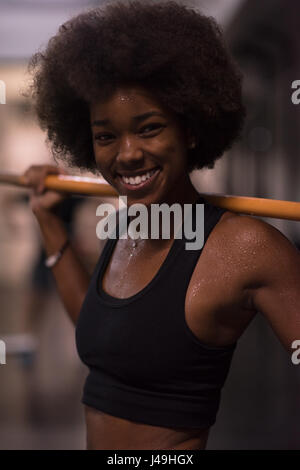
(138, 179)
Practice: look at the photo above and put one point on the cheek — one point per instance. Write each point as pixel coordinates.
(168, 151)
(97, 157)
(177, 157)
(101, 157)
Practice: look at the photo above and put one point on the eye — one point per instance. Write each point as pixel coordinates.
(103, 137)
(151, 127)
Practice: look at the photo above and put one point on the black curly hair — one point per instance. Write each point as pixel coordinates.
(177, 53)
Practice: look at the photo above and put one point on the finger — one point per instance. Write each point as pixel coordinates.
(47, 170)
(35, 176)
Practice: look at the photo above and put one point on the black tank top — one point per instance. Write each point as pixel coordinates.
(145, 364)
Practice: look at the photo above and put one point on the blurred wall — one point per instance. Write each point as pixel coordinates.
(260, 408)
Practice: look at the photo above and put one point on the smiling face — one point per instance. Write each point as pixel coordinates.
(140, 147)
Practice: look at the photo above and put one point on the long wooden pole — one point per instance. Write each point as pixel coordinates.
(96, 187)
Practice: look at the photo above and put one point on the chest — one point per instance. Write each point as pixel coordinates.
(216, 308)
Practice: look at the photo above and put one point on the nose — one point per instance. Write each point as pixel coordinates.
(130, 151)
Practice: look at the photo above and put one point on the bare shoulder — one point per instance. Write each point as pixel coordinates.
(246, 266)
(219, 303)
(254, 244)
(246, 228)
(245, 231)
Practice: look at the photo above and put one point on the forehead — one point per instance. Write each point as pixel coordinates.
(128, 98)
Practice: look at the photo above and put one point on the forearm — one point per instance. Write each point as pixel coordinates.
(71, 277)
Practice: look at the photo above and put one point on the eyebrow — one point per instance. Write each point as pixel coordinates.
(137, 119)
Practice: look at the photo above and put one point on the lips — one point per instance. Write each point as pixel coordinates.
(138, 180)
(136, 173)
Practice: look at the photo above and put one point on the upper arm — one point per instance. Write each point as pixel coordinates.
(273, 276)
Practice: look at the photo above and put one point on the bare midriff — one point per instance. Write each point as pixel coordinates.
(107, 432)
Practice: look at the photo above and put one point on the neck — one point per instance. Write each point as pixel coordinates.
(183, 193)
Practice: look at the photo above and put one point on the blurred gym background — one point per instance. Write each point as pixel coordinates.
(41, 382)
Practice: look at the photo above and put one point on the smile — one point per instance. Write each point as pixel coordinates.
(140, 181)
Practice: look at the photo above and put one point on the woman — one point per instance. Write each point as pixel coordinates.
(143, 93)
